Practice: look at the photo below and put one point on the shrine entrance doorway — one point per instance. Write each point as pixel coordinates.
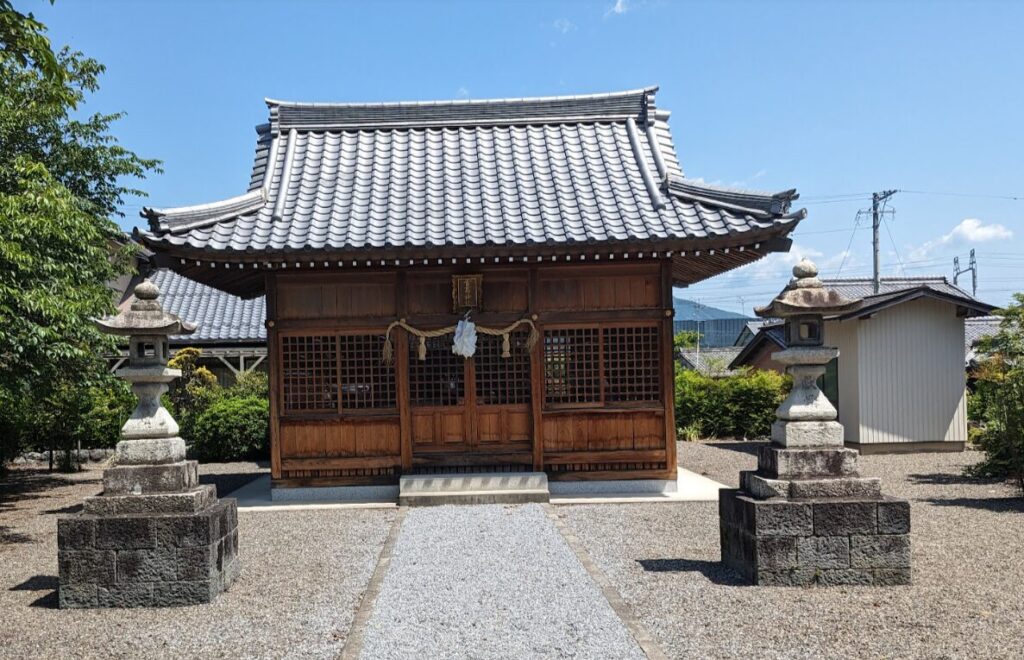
(474, 413)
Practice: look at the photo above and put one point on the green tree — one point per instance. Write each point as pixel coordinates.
(1001, 379)
(685, 339)
(61, 178)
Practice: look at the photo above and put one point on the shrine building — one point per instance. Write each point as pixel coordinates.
(558, 226)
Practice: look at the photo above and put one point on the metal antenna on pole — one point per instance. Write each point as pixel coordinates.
(972, 268)
(876, 220)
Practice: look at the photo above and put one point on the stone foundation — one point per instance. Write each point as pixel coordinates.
(148, 550)
(827, 541)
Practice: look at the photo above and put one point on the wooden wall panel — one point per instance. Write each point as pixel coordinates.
(429, 294)
(604, 431)
(505, 292)
(506, 424)
(339, 438)
(625, 286)
(331, 297)
(435, 427)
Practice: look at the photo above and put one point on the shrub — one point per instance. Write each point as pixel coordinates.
(1000, 405)
(250, 384)
(232, 428)
(741, 405)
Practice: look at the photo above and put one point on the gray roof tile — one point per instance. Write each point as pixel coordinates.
(864, 287)
(342, 177)
(220, 317)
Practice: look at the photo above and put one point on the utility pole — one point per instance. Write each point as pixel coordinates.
(876, 220)
(972, 268)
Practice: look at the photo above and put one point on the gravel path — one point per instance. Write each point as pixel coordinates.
(303, 573)
(490, 581)
(967, 599)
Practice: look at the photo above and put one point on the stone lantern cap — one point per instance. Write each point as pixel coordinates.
(145, 316)
(806, 295)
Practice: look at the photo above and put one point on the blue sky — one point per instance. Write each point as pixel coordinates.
(834, 99)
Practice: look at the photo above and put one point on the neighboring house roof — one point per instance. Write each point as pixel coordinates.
(480, 178)
(221, 318)
(711, 361)
(968, 305)
(770, 334)
(749, 331)
(976, 329)
(863, 287)
(892, 291)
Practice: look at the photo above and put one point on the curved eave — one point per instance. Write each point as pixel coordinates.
(693, 259)
(185, 218)
(528, 248)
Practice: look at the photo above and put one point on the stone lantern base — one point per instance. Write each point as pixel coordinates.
(173, 544)
(806, 517)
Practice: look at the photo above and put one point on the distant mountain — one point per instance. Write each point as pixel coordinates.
(688, 310)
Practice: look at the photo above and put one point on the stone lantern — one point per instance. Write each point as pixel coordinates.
(806, 516)
(155, 536)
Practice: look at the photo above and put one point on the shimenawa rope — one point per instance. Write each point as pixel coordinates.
(388, 352)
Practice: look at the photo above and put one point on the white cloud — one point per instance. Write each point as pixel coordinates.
(975, 231)
(970, 230)
(563, 25)
(620, 7)
(462, 92)
(760, 173)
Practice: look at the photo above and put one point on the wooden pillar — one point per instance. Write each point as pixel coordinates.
(668, 380)
(401, 340)
(273, 376)
(536, 376)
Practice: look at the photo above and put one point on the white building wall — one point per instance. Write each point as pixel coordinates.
(844, 337)
(910, 375)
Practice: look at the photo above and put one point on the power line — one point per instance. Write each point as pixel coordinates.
(846, 252)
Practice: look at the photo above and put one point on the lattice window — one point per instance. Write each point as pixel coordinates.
(309, 373)
(572, 370)
(631, 365)
(440, 380)
(366, 382)
(501, 380)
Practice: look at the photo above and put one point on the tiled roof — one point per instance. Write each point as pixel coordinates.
(976, 329)
(512, 172)
(712, 361)
(864, 287)
(221, 317)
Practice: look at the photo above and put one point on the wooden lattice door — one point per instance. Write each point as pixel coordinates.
(471, 412)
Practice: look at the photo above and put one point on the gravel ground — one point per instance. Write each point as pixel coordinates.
(967, 599)
(721, 460)
(303, 573)
(490, 581)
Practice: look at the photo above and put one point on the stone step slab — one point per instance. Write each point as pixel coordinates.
(479, 488)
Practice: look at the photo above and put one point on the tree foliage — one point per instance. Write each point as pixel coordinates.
(685, 339)
(61, 178)
(1000, 394)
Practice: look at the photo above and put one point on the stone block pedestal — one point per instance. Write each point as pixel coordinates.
(828, 541)
(154, 550)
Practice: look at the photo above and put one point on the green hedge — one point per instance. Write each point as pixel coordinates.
(740, 406)
(232, 428)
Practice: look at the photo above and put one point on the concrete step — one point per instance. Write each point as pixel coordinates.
(473, 488)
